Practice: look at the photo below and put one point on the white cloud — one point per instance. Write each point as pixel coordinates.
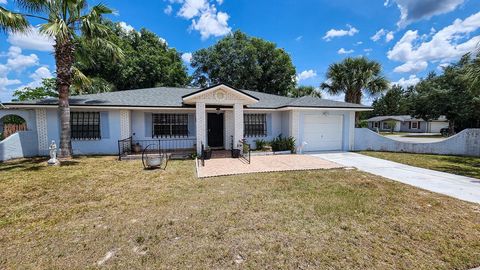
(378, 35)
(17, 61)
(212, 23)
(187, 57)
(381, 33)
(41, 73)
(389, 36)
(3, 2)
(205, 17)
(411, 67)
(358, 43)
(126, 27)
(306, 74)
(415, 10)
(332, 33)
(168, 10)
(298, 38)
(411, 80)
(446, 45)
(32, 40)
(193, 8)
(343, 51)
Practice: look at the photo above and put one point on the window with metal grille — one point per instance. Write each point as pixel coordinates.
(85, 125)
(255, 125)
(169, 125)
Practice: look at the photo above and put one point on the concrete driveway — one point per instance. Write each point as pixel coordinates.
(460, 187)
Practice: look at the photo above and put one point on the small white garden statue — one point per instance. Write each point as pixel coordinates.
(53, 154)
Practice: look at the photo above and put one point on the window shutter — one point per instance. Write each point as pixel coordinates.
(191, 125)
(104, 126)
(148, 125)
(269, 124)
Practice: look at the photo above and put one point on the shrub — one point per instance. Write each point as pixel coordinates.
(260, 144)
(283, 143)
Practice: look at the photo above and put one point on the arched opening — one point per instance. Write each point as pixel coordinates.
(9, 124)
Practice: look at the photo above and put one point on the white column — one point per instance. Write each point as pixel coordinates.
(125, 124)
(201, 126)
(351, 133)
(294, 118)
(42, 132)
(238, 122)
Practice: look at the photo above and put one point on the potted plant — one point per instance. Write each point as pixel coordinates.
(137, 148)
(207, 153)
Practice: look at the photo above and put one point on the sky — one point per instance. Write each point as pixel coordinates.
(410, 38)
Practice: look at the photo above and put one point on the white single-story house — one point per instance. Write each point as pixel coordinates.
(218, 116)
(407, 123)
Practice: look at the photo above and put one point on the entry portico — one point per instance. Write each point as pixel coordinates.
(219, 99)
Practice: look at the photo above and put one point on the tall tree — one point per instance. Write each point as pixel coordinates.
(301, 91)
(148, 61)
(245, 62)
(46, 90)
(64, 20)
(353, 76)
(394, 102)
(448, 94)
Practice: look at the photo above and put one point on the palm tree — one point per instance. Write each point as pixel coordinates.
(352, 76)
(65, 21)
(301, 91)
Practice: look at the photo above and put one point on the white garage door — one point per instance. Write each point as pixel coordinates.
(323, 132)
(436, 126)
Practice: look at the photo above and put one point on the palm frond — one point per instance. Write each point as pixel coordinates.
(58, 29)
(35, 6)
(11, 21)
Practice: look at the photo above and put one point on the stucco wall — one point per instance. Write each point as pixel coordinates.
(465, 143)
(109, 132)
(18, 145)
(274, 126)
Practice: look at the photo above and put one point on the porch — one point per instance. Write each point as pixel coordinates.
(259, 164)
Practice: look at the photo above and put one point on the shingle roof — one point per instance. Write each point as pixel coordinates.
(400, 118)
(172, 97)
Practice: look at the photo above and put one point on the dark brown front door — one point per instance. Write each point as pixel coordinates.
(215, 130)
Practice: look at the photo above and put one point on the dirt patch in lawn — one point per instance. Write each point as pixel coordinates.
(100, 212)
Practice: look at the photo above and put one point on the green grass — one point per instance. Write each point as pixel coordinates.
(73, 216)
(467, 166)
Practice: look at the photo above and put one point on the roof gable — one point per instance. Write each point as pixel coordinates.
(220, 94)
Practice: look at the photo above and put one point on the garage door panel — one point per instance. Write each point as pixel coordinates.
(323, 133)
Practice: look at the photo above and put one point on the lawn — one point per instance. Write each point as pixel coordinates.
(467, 166)
(99, 212)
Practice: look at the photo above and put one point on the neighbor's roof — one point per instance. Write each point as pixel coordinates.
(401, 118)
(172, 97)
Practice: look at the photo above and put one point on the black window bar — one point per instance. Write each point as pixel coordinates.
(255, 125)
(169, 125)
(85, 125)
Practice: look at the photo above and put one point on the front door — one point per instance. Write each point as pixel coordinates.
(215, 130)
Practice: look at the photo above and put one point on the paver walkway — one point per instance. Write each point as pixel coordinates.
(274, 163)
(460, 187)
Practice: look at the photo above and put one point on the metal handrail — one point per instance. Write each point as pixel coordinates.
(246, 152)
(202, 155)
(124, 146)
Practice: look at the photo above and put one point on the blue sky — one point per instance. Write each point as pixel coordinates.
(408, 37)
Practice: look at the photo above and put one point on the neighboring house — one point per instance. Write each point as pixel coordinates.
(406, 123)
(187, 118)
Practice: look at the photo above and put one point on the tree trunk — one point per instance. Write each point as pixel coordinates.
(354, 96)
(451, 127)
(64, 58)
